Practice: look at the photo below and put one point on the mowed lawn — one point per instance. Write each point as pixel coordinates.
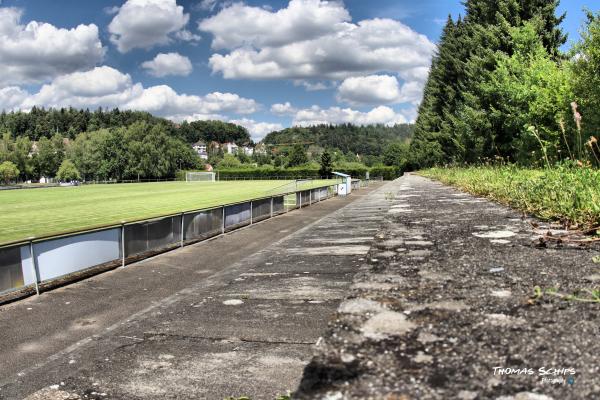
(39, 212)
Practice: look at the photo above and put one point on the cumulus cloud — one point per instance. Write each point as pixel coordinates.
(12, 97)
(378, 89)
(312, 39)
(107, 87)
(168, 64)
(147, 23)
(283, 109)
(260, 27)
(257, 130)
(336, 115)
(39, 51)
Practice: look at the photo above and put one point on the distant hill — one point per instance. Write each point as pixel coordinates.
(363, 140)
(70, 122)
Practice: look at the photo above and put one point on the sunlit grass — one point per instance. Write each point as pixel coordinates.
(567, 194)
(38, 212)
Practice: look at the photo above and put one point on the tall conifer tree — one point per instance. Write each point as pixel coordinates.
(457, 120)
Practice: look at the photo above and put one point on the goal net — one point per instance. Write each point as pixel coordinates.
(200, 176)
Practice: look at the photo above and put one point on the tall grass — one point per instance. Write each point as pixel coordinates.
(563, 193)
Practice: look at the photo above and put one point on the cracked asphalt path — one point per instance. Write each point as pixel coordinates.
(234, 316)
(444, 308)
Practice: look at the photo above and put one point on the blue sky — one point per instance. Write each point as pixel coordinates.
(266, 64)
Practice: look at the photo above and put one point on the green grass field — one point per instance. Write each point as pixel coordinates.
(40, 212)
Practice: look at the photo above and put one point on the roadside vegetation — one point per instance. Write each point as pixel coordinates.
(501, 88)
(508, 115)
(564, 193)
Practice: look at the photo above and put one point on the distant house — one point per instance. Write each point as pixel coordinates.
(248, 150)
(200, 148)
(260, 148)
(230, 147)
(34, 149)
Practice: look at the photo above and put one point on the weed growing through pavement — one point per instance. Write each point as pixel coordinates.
(583, 296)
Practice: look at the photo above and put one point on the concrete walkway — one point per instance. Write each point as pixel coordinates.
(235, 316)
(446, 308)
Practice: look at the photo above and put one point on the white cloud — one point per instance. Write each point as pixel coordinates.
(378, 89)
(39, 51)
(313, 86)
(187, 36)
(107, 87)
(301, 20)
(12, 97)
(168, 64)
(99, 87)
(373, 89)
(336, 115)
(312, 40)
(283, 109)
(257, 130)
(146, 23)
(207, 5)
(210, 5)
(164, 101)
(111, 10)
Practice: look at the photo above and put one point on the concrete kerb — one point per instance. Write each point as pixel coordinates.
(175, 298)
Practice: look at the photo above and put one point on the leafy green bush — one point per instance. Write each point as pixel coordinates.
(68, 172)
(387, 173)
(312, 171)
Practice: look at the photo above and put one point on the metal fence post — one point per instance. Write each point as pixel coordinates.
(223, 224)
(310, 197)
(36, 274)
(122, 244)
(182, 232)
(271, 207)
(251, 212)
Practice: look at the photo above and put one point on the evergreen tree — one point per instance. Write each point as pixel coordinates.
(459, 121)
(326, 164)
(433, 140)
(297, 156)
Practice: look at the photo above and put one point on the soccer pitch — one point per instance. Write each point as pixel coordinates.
(40, 212)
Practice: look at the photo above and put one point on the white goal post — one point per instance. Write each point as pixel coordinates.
(200, 176)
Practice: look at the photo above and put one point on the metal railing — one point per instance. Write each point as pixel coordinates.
(29, 266)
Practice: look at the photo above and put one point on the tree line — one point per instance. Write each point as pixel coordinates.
(70, 122)
(102, 144)
(500, 88)
(138, 151)
(369, 142)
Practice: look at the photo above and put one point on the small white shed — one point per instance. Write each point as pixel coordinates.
(344, 188)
